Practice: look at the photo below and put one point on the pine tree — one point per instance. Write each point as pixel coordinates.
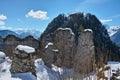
(81, 28)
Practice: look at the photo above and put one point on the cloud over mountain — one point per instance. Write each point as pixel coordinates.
(105, 20)
(42, 15)
(2, 23)
(2, 17)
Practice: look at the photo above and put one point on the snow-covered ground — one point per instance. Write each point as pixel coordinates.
(54, 73)
(114, 66)
(5, 66)
(43, 72)
(24, 76)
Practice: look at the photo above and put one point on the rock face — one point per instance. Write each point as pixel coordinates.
(64, 51)
(60, 53)
(84, 59)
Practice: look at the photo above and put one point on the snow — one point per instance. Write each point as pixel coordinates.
(8, 78)
(91, 77)
(24, 76)
(113, 29)
(2, 57)
(5, 68)
(118, 77)
(48, 44)
(85, 15)
(66, 29)
(74, 12)
(41, 71)
(55, 50)
(27, 49)
(114, 66)
(57, 69)
(88, 30)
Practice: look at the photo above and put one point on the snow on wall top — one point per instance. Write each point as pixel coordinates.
(39, 62)
(55, 50)
(48, 44)
(88, 30)
(27, 49)
(2, 54)
(66, 29)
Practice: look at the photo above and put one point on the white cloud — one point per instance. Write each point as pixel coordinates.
(2, 23)
(105, 20)
(2, 17)
(38, 14)
(115, 16)
(94, 1)
(4, 27)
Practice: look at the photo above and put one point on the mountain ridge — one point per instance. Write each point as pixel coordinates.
(114, 32)
(20, 33)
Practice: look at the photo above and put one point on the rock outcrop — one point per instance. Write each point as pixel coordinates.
(64, 51)
(78, 22)
(79, 41)
(84, 60)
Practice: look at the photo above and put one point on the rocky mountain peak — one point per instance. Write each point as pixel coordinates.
(77, 22)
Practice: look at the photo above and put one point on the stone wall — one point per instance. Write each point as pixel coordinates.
(23, 62)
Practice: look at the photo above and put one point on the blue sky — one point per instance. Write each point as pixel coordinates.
(37, 14)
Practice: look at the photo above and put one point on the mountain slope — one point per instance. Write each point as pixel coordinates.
(5, 33)
(24, 33)
(114, 32)
(113, 29)
(116, 38)
(20, 33)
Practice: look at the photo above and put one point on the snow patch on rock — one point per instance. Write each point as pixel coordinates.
(55, 50)
(27, 49)
(66, 29)
(88, 30)
(49, 44)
